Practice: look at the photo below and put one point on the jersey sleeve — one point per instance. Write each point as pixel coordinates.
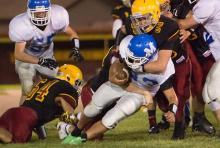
(19, 30)
(173, 37)
(69, 94)
(59, 18)
(203, 11)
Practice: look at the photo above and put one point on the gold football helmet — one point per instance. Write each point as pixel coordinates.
(145, 15)
(71, 74)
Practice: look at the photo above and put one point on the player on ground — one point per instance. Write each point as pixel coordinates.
(48, 99)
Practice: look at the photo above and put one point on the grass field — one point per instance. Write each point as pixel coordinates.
(130, 133)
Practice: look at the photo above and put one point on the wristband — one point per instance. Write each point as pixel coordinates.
(75, 42)
(173, 108)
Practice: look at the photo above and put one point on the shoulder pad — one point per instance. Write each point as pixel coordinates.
(59, 17)
(20, 28)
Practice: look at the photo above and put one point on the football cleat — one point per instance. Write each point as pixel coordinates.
(73, 140)
(201, 124)
(179, 131)
(163, 124)
(153, 129)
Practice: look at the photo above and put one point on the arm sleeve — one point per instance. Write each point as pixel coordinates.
(69, 94)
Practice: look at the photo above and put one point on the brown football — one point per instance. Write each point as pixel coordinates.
(118, 73)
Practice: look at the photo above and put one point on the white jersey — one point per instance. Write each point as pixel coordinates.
(147, 81)
(38, 43)
(207, 12)
(150, 81)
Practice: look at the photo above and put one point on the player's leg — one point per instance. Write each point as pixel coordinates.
(200, 122)
(181, 86)
(107, 94)
(26, 73)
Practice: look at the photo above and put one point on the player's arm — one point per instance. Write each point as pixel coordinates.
(159, 65)
(71, 33)
(135, 89)
(22, 56)
(187, 23)
(64, 104)
(75, 53)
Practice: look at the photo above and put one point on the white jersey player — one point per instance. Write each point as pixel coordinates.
(33, 33)
(136, 50)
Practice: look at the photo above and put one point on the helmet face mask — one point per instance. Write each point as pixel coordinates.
(145, 15)
(143, 23)
(39, 12)
(192, 1)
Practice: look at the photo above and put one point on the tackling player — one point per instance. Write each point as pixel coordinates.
(48, 99)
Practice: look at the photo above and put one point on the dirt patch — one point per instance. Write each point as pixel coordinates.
(9, 99)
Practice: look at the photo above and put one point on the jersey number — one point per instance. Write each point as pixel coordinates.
(41, 92)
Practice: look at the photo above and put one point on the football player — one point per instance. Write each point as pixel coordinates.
(49, 99)
(135, 51)
(202, 60)
(33, 33)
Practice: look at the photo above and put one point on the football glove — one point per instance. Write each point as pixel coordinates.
(47, 62)
(68, 118)
(75, 54)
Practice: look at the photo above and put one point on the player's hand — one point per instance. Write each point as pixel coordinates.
(47, 62)
(170, 116)
(75, 54)
(184, 34)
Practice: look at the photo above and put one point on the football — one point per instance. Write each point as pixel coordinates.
(118, 73)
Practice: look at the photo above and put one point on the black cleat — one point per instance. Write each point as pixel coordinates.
(153, 129)
(163, 124)
(41, 132)
(179, 131)
(201, 124)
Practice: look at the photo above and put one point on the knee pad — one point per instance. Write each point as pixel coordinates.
(92, 110)
(125, 107)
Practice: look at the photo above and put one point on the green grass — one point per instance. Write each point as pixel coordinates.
(9, 86)
(131, 132)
